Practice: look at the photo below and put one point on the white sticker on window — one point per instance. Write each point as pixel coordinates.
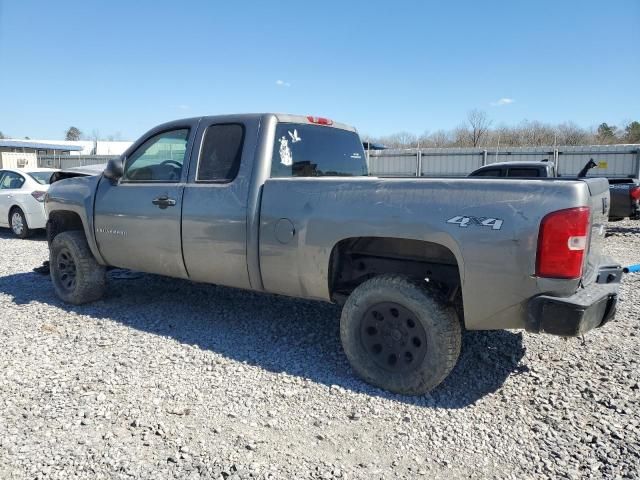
(356, 156)
(294, 136)
(285, 152)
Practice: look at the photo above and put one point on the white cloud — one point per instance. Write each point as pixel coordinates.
(502, 102)
(282, 83)
(183, 107)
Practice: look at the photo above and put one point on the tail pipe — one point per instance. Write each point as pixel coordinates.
(632, 268)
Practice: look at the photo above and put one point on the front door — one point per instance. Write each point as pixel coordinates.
(137, 219)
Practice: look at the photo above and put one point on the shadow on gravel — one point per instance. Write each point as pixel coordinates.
(613, 231)
(38, 235)
(276, 333)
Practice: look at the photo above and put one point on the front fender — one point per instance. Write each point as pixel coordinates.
(76, 196)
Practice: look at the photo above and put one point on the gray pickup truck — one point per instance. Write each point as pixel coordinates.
(283, 204)
(624, 192)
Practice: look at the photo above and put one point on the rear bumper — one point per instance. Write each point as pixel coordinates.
(588, 308)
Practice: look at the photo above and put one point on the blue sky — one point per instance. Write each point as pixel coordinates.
(121, 67)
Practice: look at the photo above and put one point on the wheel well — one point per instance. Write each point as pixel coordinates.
(62, 221)
(355, 260)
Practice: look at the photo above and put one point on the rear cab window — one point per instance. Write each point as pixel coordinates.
(524, 172)
(316, 151)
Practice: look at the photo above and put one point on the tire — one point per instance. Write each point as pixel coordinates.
(18, 223)
(400, 336)
(76, 276)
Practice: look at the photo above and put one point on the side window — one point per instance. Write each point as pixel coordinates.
(492, 172)
(221, 153)
(316, 151)
(159, 159)
(523, 172)
(11, 181)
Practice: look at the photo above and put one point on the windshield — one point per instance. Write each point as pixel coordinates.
(315, 151)
(43, 178)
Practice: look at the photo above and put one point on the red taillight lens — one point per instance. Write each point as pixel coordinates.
(634, 193)
(319, 120)
(38, 195)
(562, 241)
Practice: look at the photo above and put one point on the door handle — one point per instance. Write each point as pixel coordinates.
(164, 201)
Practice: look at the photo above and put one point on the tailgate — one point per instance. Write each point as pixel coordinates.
(600, 203)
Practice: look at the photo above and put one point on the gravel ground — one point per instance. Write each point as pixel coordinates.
(168, 379)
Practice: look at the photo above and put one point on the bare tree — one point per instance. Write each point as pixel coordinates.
(461, 136)
(476, 132)
(439, 139)
(401, 140)
(571, 134)
(479, 123)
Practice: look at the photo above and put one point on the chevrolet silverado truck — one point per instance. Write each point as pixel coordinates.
(282, 204)
(624, 192)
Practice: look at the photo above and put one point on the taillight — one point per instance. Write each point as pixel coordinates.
(38, 195)
(562, 242)
(634, 193)
(319, 120)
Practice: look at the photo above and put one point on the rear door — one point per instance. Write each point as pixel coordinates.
(214, 211)
(137, 219)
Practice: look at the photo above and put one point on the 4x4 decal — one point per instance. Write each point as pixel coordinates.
(462, 221)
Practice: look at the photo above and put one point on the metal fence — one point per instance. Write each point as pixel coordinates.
(70, 161)
(614, 161)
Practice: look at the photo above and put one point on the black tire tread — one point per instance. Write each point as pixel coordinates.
(90, 275)
(445, 327)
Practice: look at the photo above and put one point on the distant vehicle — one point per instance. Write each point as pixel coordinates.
(283, 204)
(373, 146)
(22, 194)
(624, 192)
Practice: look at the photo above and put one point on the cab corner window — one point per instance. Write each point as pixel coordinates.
(221, 153)
(159, 159)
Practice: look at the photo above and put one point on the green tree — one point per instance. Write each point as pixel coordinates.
(606, 134)
(73, 134)
(632, 133)
(2, 135)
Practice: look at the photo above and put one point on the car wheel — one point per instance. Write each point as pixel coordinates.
(400, 336)
(18, 223)
(76, 276)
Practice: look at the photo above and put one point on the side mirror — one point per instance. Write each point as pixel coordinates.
(114, 169)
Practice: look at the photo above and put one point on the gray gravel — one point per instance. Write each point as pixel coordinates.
(168, 379)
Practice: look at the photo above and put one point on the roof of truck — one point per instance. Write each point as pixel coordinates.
(281, 117)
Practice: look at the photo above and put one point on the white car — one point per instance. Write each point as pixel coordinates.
(22, 199)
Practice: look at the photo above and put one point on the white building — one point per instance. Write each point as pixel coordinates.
(92, 147)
